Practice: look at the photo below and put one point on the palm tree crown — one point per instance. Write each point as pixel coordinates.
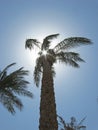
(11, 85)
(44, 67)
(73, 125)
(59, 52)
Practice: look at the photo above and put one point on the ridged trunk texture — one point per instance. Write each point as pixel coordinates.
(48, 116)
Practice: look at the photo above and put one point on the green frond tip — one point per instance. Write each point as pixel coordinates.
(31, 42)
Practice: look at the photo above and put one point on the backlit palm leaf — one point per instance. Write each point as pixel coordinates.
(72, 125)
(70, 58)
(4, 72)
(30, 43)
(11, 85)
(62, 122)
(10, 101)
(80, 123)
(71, 42)
(37, 71)
(46, 41)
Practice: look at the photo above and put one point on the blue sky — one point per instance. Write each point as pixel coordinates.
(76, 90)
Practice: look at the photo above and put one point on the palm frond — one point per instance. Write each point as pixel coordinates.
(30, 43)
(51, 52)
(4, 72)
(70, 58)
(16, 82)
(72, 63)
(11, 85)
(46, 41)
(62, 121)
(74, 56)
(72, 42)
(80, 123)
(78, 128)
(37, 71)
(10, 101)
(72, 125)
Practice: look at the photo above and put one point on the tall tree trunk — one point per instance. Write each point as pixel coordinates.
(48, 116)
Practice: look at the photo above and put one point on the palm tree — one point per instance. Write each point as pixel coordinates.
(72, 125)
(11, 85)
(44, 67)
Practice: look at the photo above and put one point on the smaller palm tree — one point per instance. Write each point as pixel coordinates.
(11, 85)
(72, 125)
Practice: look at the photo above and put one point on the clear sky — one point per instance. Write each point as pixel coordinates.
(76, 90)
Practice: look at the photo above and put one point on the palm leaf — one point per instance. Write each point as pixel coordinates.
(71, 125)
(37, 71)
(80, 123)
(11, 85)
(51, 52)
(71, 43)
(4, 72)
(62, 121)
(81, 127)
(30, 43)
(46, 41)
(16, 82)
(74, 56)
(10, 101)
(70, 58)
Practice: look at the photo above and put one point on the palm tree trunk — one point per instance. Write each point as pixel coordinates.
(48, 116)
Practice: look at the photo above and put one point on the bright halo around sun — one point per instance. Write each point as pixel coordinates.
(31, 56)
(44, 52)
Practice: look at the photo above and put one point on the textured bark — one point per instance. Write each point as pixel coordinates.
(48, 116)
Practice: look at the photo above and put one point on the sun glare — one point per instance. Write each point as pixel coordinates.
(44, 52)
(30, 57)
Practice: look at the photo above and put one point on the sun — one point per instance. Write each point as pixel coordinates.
(44, 52)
